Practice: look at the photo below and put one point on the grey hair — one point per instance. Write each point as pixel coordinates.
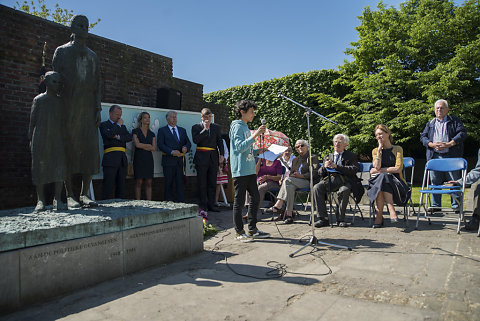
(344, 137)
(302, 141)
(441, 101)
(171, 112)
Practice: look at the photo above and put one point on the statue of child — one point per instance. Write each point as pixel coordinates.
(47, 138)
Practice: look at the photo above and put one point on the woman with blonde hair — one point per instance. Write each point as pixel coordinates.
(387, 185)
(144, 141)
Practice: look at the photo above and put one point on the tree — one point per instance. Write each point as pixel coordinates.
(406, 59)
(62, 16)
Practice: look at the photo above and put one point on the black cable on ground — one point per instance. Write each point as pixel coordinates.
(278, 270)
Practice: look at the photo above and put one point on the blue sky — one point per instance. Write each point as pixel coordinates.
(222, 44)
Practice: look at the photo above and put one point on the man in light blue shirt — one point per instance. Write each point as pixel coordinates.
(443, 137)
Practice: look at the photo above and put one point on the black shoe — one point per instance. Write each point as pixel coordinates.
(472, 225)
(213, 209)
(321, 223)
(288, 220)
(378, 225)
(433, 209)
(342, 224)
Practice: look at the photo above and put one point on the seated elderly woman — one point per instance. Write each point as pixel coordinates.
(299, 178)
(387, 184)
(269, 174)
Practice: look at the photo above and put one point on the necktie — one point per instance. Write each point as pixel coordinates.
(175, 134)
(335, 158)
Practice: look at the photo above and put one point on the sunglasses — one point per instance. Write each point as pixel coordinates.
(298, 146)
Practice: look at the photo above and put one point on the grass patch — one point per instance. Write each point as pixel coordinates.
(446, 200)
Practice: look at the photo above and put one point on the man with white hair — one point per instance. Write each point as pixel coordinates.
(443, 137)
(342, 180)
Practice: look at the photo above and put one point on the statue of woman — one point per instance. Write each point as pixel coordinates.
(80, 68)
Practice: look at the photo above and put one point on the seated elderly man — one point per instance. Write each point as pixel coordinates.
(345, 162)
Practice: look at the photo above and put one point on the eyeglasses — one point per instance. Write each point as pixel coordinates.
(298, 146)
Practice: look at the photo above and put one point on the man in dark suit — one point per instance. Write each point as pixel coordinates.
(174, 143)
(208, 138)
(115, 136)
(346, 163)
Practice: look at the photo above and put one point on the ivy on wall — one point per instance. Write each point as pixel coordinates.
(282, 114)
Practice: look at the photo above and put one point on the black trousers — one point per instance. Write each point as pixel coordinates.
(207, 184)
(174, 174)
(114, 176)
(242, 184)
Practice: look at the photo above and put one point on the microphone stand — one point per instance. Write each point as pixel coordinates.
(313, 240)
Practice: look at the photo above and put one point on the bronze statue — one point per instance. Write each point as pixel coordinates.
(81, 94)
(47, 141)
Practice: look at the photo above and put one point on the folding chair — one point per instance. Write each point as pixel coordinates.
(409, 162)
(365, 168)
(300, 191)
(362, 168)
(457, 192)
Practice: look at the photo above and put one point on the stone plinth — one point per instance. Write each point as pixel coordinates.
(51, 253)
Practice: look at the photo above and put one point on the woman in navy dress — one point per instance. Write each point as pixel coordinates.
(144, 140)
(386, 185)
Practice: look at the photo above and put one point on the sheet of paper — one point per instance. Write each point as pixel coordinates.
(268, 155)
(277, 149)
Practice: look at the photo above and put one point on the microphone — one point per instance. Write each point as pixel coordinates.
(264, 122)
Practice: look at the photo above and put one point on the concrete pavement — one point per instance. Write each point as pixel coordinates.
(393, 273)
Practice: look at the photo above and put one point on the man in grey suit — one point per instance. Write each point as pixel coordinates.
(473, 178)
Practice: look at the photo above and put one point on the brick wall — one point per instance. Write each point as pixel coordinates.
(129, 76)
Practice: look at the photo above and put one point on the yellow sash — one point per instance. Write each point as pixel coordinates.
(205, 148)
(114, 149)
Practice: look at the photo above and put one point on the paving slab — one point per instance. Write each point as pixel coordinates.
(392, 273)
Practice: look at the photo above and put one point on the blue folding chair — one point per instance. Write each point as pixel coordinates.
(305, 190)
(409, 162)
(300, 191)
(428, 189)
(364, 168)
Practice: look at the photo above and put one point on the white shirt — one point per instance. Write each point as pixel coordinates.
(176, 131)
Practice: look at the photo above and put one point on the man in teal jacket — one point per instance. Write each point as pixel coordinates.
(242, 164)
